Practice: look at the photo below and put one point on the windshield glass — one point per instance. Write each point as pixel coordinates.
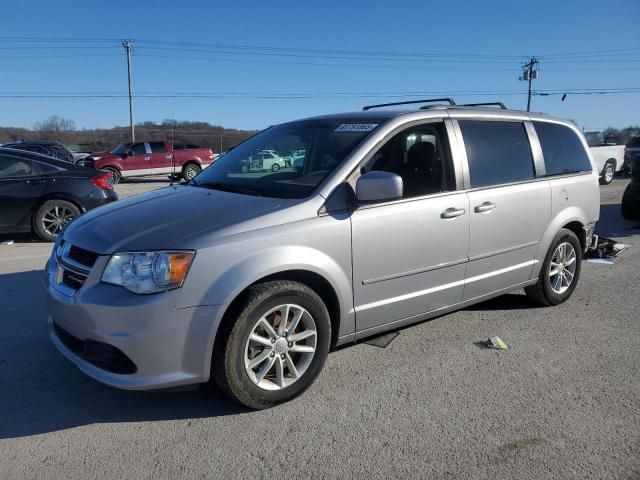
(120, 149)
(286, 161)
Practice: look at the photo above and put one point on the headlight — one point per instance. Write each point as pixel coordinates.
(148, 272)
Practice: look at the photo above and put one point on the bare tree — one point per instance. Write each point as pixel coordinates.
(55, 128)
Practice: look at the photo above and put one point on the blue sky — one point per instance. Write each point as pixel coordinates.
(481, 47)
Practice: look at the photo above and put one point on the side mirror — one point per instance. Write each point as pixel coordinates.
(377, 186)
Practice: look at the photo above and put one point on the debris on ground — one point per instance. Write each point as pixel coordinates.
(382, 341)
(605, 251)
(7, 242)
(495, 343)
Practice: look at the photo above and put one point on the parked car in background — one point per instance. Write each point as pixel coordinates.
(631, 153)
(78, 152)
(43, 194)
(141, 159)
(250, 278)
(608, 154)
(630, 205)
(50, 149)
(264, 160)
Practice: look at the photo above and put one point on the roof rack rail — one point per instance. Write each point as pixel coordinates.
(451, 102)
(485, 104)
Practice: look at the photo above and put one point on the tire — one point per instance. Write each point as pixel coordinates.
(631, 202)
(190, 171)
(275, 167)
(115, 174)
(52, 216)
(234, 351)
(608, 172)
(543, 291)
(244, 168)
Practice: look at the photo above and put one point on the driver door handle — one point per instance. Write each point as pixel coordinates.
(484, 207)
(147, 157)
(452, 212)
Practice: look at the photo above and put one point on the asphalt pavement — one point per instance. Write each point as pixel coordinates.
(563, 402)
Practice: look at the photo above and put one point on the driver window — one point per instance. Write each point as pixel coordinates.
(138, 149)
(420, 156)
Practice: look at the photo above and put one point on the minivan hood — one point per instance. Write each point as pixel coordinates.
(158, 219)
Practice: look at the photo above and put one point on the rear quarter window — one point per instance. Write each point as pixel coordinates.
(562, 149)
(497, 152)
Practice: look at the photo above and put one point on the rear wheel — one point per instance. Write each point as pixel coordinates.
(52, 217)
(608, 172)
(560, 271)
(275, 167)
(190, 170)
(274, 345)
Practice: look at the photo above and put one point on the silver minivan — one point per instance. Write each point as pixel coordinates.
(390, 218)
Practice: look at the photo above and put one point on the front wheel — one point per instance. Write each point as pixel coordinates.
(274, 345)
(560, 271)
(275, 167)
(116, 176)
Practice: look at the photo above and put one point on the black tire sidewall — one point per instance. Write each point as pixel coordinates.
(553, 297)
(240, 384)
(193, 167)
(37, 218)
(275, 167)
(604, 180)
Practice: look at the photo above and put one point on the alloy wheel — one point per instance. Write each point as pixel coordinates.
(280, 347)
(55, 218)
(563, 268)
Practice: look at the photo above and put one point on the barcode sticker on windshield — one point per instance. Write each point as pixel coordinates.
(356, 127)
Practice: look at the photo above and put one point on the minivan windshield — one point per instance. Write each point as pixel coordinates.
(288, 160)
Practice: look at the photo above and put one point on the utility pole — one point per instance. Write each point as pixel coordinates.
(129, 48)
(530, 73)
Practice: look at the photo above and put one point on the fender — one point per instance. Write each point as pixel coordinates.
(564, 217)
(234, 279)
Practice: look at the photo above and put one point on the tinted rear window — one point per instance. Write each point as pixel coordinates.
(14, 167)
(562, 149)
(497, 152)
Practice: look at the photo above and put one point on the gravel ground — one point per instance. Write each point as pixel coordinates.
(563, 402)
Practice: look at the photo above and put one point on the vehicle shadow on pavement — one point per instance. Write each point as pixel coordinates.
(41, 391)
(19, 238)
(612, 224)
(509, 301)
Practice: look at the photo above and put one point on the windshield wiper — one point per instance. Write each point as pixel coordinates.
(225, 187)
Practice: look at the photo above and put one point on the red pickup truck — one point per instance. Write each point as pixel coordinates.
(140, 159)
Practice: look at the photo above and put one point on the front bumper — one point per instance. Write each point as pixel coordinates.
(167, 346)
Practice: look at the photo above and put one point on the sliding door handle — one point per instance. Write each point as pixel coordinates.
(452, 212)
(485, 207)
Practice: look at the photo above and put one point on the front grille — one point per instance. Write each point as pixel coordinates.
(75, 263)
(102, 355)
(73, 279)
(80, 255)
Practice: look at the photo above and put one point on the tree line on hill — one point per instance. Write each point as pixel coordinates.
(215, 137)
(63, 130)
